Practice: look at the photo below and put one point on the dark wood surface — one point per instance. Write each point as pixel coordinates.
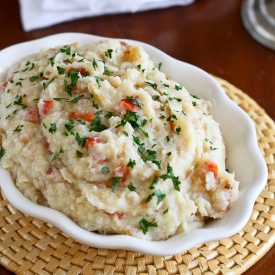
(208, 34)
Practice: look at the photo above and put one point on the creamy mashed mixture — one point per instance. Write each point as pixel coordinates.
(101, 134)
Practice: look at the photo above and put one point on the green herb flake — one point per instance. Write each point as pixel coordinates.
(170, 175)
(61, 151)
(68, 90)
(33, 78)
(105, 169)
(79, 154)
(98, 81)
(2, 152)
(52, 128)
(60, 70)
(96, 125)
(74, 75)
(153, 85)
(153, 183)
(76, 99)
(131, 163)
(108, 53)
(160, 196)
(178, 87)
(131, 187)
(194, 96)
(165, 211)
(159, 66)
(178, 130)
(94, 64)
(18, 128)
(144, 225)
(53, 158)
(115, 181)
(66, 50)
(51, 59)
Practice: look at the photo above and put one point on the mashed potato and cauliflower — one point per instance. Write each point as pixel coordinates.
(99, 133)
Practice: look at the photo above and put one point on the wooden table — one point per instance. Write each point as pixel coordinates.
(208, 34)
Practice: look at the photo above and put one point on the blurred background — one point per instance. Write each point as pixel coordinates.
(209, 34)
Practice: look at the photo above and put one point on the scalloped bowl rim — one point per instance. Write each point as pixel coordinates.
(244, 156)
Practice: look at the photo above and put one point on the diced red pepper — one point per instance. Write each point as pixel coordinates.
(32, 116)
(87, 117)
(3, 86)
(46, 144)
(80, 69)
(123, 172)
(126, 104)
(118, 215)
(212, 167)
(47, 106)
(98, 158)
(91, 141)
(75, 115)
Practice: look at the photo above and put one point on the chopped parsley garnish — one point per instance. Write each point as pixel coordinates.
(144, 225)
(108, 53)
(79, 154)
(98, 81)
(70, 126)
(66, 50)
(52, 128)
(76, 99)
(194, 103)
(158, 194)
(155, 97)
(131, 163)
(68, 90)
(34, 78)
(153, 183)
(151, 156)
(60, 70)
(105, 169)
(178, 130)
(166, 211)
(46, 85)
(81, 140)
(2, 152)
(135, 120)
(53, 158)
(135, 101)
(74, 75)
(171, 118)
(18, 128)
(131, 187)
(94, 64)
(115, 181)
(170, 175)
(61, 151)
(19, 101)
(51, 59)
(153, 85)
(159, 66)
(178, 87)
(96, 125)
(194, 96)
(125, 133)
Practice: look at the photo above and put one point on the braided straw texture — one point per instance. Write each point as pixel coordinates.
(31, 246)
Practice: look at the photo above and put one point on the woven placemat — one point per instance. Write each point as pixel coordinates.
(31, 246)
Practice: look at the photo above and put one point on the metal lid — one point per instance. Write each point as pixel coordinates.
(259, 19)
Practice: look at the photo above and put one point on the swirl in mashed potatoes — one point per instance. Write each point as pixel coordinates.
(99, 133)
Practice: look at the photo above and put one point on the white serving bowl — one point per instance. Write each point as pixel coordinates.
(238, 131)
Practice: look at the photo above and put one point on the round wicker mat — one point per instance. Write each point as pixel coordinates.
(30, 246)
